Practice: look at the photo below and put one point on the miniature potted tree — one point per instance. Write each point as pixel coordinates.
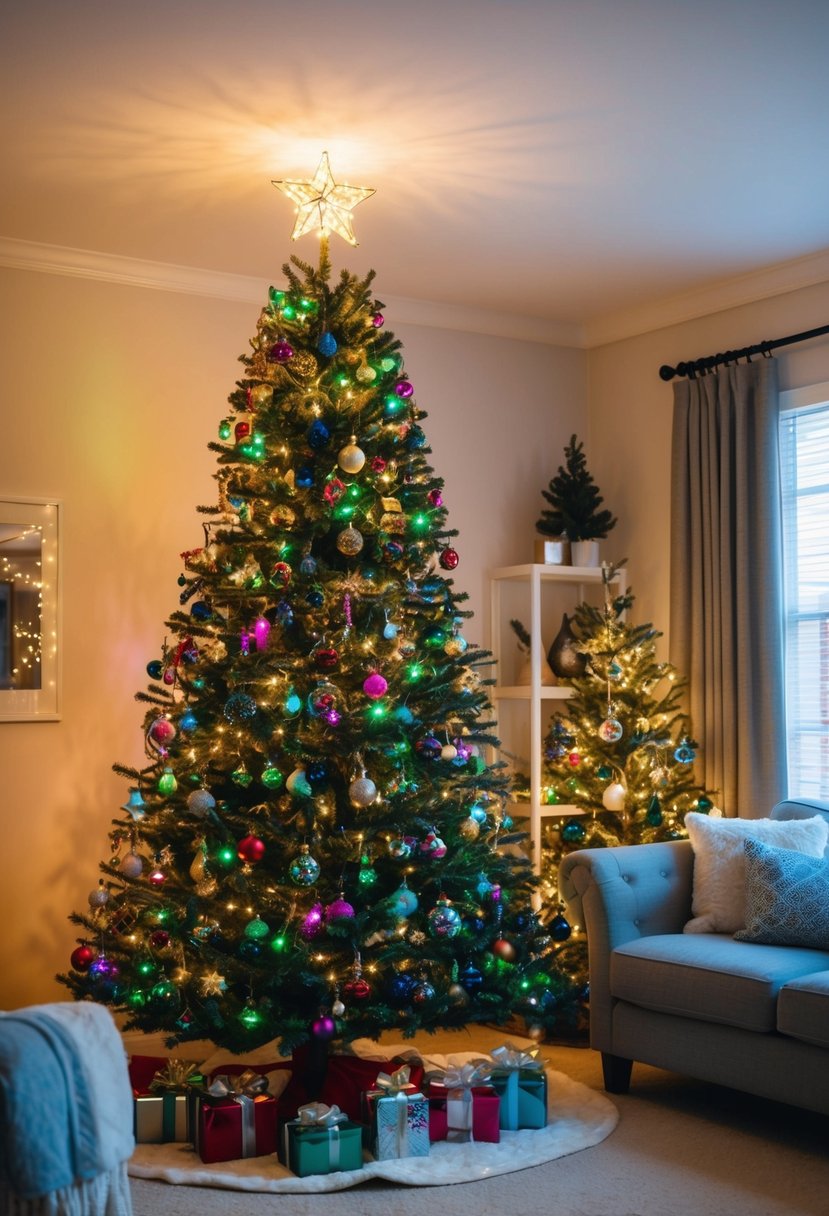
(575, 511)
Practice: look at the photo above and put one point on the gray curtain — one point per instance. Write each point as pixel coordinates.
(726, 585)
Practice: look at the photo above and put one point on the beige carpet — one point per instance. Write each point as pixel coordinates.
(681, 1149)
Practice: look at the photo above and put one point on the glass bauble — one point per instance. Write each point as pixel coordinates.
(239, 707)
(350, 542)
(304, 870)
(422, 993)
(559, 927)
(131, 865)
(200, 802)
(82, 958)
(339, 909)
(573, 832)
(444, 920)
(611, 730)
(250, 849)
(471, 979)
(613, 797)
(400, 989)
(403, 902)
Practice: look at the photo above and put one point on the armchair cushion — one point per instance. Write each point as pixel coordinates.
(802, 1006)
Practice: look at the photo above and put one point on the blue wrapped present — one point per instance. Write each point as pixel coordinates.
(520, 1081)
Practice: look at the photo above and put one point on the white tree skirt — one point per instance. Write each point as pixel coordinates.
(578, 1118)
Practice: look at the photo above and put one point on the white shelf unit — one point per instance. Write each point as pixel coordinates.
(535, 577)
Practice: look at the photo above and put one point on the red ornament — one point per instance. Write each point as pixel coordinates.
(574, 758)
(281, 573)
(435, 498)
(503, 949)
(327, 658)
(82, 958)
(357, 989)
(334, 491)
(159, 939)
(250, 848)
(378, 465)
(241, 431)
(449, 559)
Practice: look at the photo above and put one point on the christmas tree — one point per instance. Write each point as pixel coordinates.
(575, 509)
(314, 848)
(620, 755)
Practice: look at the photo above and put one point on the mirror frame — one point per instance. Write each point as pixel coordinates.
(39, 704)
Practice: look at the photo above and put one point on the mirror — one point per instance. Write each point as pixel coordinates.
(29, 609)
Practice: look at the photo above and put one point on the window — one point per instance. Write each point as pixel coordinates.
(804, 462)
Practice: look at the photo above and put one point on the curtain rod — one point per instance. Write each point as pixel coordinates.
(700, 366)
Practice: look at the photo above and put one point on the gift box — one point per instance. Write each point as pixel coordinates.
(160, 1113)
(397, 1115)
(321, 1140)
(463, 1106)
(233, 1117)
(520, 1081)
(348, 1078)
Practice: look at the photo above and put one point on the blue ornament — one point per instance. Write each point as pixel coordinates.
(403, 715)
(560, 928)
(416, 438)
(390, 630)
(293, 704)
(155, 669)
(403, 902)
(308, 565)
(478, 812)
(200, 611)
(239, 707)
(471, 979)
(327, 344)
(188, 721)
(317, 774)
(685, 754)
(315, 598)
(318, 434)
(400, 989)
(304, 477)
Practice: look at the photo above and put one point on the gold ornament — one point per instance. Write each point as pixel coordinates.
(212, 984)
(470, 828)
(261, 395)
(350, 542)
(304, 365)
(392, 522)
(351, 458)
(324, 204)
(283, 517)
(365, 373)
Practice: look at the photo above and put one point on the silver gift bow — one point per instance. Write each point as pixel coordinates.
(242, 1089)
(458, 1081)
(317, 1114)
(512, 1057)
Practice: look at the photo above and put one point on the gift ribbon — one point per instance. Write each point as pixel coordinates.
(459, 1082)
(243, 1089)
(396, 1085)
(512, 1060)
(176, 1075)
(317, 1114)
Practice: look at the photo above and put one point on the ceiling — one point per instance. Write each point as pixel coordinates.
(557, 160)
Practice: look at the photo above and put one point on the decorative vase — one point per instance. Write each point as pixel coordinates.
(585, 552)
(553, 551)
(563, 656)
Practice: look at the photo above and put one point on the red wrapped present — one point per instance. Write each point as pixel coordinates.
(349, 1077)
(234, 1117)
(284, 1083)
(463, 1106)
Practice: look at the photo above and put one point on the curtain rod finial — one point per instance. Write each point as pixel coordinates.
(666, 373)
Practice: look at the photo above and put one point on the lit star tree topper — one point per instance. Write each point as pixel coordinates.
(324, 204)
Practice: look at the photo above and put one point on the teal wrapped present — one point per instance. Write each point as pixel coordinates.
(322, 1140)
(520, 1081)
(398, 1117)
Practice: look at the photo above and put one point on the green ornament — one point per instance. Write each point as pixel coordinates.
(704, 804)
(367, 876)
(225, 430)
(241, 776)
(256, 929)
(250, 1017)
(167, 783)
(271, 777)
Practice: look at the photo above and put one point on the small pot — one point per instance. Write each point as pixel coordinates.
(585, 552)
(554, 551)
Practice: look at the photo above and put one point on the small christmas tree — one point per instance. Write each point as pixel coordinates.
(313, 848)
(575, 501)
(620, 755)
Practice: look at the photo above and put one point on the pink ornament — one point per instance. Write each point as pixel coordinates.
(250, 848)
(404, 388)
(244, 641)
(260, 632)
(378, 320)
(323, 1029)
(339, 908)
(280, 352)
(333, 717)
(433, 846)
(162, 732)
(378, 464)
(435, 498)
(574, 758)
(374, 685)
(313, 922)
(169, 676)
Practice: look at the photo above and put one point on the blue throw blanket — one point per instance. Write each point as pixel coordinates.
(44, 1102)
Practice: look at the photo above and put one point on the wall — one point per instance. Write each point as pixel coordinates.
(110, 394)
(630, 412)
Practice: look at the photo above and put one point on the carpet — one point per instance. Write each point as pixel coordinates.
(578, 1118)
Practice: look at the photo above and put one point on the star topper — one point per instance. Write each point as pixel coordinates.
(323, 203)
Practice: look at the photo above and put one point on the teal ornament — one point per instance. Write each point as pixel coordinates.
(293, 704)
(390, 630)
(400, 848)
(444, 920)
(403, 715)
(298, 784)
(704, 804)
(327, 344)
(304, 870)
(684, 753)
(478, 812)
(135, 804)
(604, 771)
(573, 832)
(653, 815)
(484, 886)
(403, 902)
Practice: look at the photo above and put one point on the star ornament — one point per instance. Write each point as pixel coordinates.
(324, 204)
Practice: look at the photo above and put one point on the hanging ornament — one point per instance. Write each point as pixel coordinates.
(400, 849)
(685, 753)
(167, 783)
(240, 707)
(611, 730)
(469, 828)
(159, 939)
(135, 804)
(188, 721)
(337, 1008)
(271, 777)
(504, 950)
(298, 784)
(304, 870)
(280, 352)
(161, 733)
(200, 802)
(653, 815)
(131, 865)
(244, 642)
(155, 669)
(82, 958)
(400, 989)
(704, 804)
(404, 388)
(312, 923)
(422, 993)
(280, 575)
(250, 849)
(444, 920)
(403, 902)
(378, 321)
(563, 656)
(257, 929)
(293, 704)
(198, 866)
(357, 989)
(613, 797)
(241, 431)
(327, 658)
(323, 1028)
(560, 928)
(260, 395)
(350, 542)
(435, 498)
(455, 646)
(374, 686)
(241, 777)
(351, 458)
(433, 846)
(318, 434)
(339, 909)
(333, 491)
(327, 344)
(367, 875)
(471, 980)
(362, 791)
(318, 775)
(449, 559)
(573, 831)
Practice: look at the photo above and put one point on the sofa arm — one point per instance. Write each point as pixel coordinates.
(620, 894)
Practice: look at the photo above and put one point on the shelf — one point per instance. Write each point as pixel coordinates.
(554, 810)
(563, 574)
(523, 692)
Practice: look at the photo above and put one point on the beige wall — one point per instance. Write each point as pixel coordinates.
(109, 396)
(630, 422)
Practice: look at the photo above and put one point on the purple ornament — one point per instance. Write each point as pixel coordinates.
(323, 1028)
(404, 388)
(339, 908)
(378, 320)
(261, 629)
(104, 968)
(435, 498)
(313, 921)
(374, 685)
(333, 717)
(280, 352)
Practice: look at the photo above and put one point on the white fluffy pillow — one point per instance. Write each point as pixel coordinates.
(719, 862)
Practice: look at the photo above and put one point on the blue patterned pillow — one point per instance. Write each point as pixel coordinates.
(787, 897)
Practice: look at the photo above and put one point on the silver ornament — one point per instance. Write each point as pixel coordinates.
(362, 791)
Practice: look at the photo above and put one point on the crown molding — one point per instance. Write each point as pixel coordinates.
(216, 284)
(715, 297)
